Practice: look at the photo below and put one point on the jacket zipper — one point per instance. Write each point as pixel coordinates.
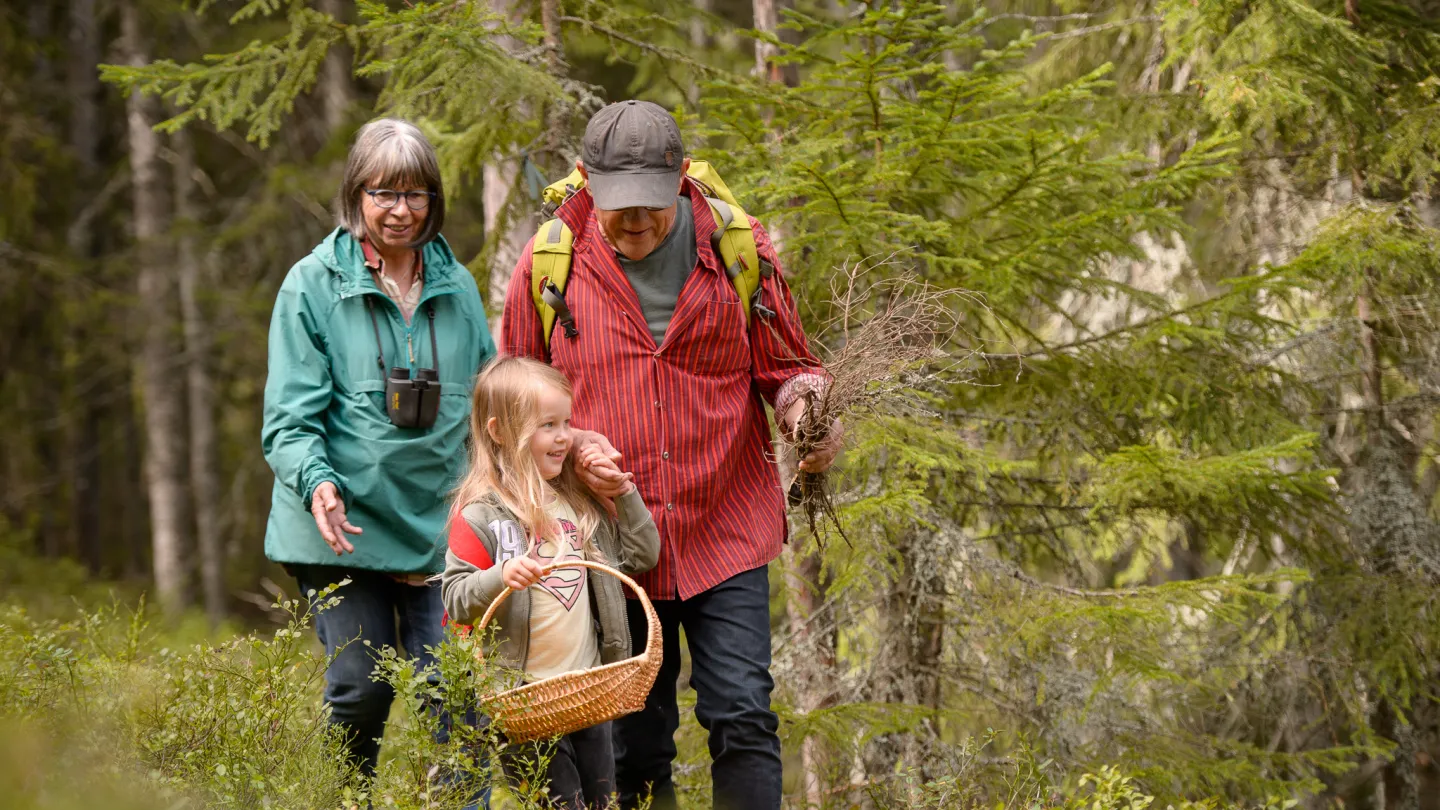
(624, 603)
(625, 614)
(409, 327)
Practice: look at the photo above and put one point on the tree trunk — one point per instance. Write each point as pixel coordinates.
(557, 117)
(84, 91)
(83, 48)
(1370, 378)
(805, 587)
(767, 13)
(767, 19)
(52, 537)
(699, 37)
(164, 456)
(204, 472)
(133, 508)
(911, 647)
(510, 223)
(337, 91)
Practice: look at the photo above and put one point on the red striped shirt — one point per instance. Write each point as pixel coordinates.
(689, 414)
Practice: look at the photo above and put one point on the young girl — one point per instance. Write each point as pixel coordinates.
(520, 507)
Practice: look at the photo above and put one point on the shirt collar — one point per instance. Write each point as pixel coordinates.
(374, 262)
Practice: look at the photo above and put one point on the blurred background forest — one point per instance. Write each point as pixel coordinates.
(1164, 515)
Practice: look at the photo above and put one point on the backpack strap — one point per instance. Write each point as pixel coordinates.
(550, 255)
(735, 243)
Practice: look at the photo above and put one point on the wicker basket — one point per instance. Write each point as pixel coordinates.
(583, 698)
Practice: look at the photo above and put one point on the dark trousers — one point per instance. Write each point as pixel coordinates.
(581, 770)
(728, 632)
(375, 611)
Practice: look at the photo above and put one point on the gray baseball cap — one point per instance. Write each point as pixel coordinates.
(633, 155)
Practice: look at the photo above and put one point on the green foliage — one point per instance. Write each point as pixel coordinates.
(445, 62)
(1143, 537)
(232, 724)
(240, 718)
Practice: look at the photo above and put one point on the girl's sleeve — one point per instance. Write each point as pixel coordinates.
(639, 540)
(472, 579)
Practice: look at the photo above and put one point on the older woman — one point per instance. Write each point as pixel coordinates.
(375, 340)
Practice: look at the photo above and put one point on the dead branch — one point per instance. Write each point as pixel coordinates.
(894, 337)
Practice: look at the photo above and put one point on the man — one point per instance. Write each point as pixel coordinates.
(668, 366)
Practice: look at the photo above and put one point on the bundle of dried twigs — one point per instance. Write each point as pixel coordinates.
(893, 335)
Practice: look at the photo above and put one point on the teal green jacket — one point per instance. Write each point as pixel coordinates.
(325, 417)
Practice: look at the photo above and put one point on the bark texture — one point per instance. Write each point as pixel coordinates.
(83, 86)
(509, 220)
(204, 467)
(159, 384)
(337, 92)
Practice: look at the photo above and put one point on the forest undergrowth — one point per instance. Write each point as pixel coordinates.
(104, 703)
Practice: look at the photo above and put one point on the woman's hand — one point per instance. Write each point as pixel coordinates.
(601, 465)
(520, 573)
(603, 478)
(329, 512)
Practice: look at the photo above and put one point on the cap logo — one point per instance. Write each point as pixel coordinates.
(669, 158)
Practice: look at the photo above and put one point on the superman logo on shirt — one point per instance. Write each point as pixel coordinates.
(564, 584)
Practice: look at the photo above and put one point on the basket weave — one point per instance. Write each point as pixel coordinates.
(585, 697)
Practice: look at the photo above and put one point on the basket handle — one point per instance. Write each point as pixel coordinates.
(650, 616)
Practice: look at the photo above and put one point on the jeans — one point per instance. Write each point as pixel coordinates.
(728, 631)
(377, 609)
(581, 769)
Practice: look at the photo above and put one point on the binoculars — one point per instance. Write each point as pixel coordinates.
(412, 403)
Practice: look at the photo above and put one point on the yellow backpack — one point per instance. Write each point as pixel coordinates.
(733, 240)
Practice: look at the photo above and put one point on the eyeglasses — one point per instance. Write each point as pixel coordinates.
(387, 198)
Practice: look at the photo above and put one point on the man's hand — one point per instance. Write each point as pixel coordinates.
(329, 512)
(823, 455)
(520, 573)
(603, 478)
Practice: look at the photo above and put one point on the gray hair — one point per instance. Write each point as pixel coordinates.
(391, 153)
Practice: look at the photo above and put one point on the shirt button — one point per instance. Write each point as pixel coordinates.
(670, 507)
(665, 454)
(657, 403)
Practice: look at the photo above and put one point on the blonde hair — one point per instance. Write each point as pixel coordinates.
(508, 390)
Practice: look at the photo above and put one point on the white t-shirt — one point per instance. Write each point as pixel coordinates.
(562, 626)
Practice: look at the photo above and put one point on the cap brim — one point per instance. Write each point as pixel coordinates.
(613, 192)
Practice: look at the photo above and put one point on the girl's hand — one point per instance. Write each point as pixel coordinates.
(520, 573)
(606, 481)
(594, 458)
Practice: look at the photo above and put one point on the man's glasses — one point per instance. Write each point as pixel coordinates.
(387, 198)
